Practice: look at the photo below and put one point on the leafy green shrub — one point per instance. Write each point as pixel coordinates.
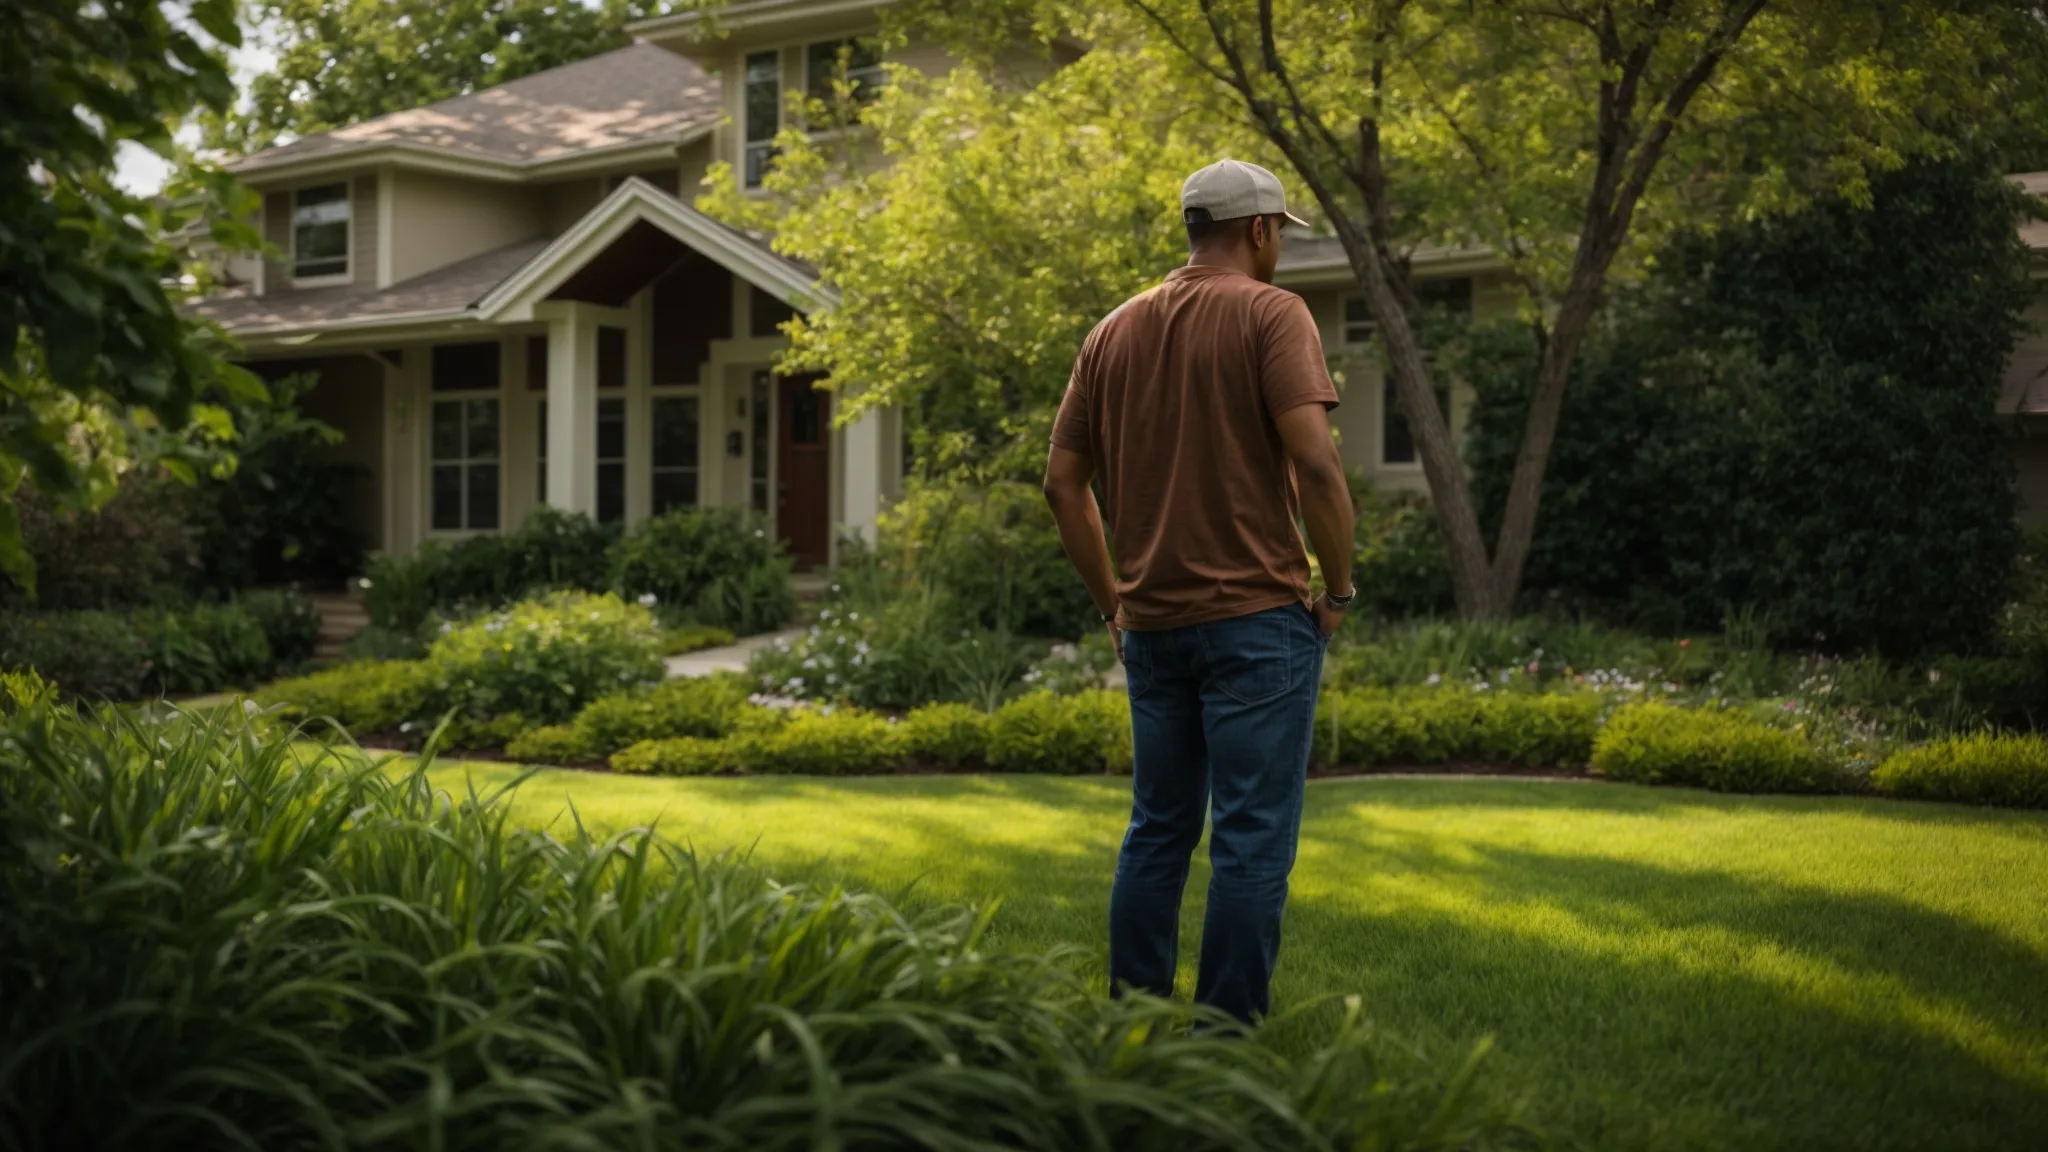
(205, 647)
(894, 655)
(707, 707)
(550, 549)
(719, 566)
(1697, 450)
(328, 923)
(993, 552)
(679, 756)
(1655, 743)
(87, 655)
(23, 690)
(364, 697)
(1041, 732)
(553, 744)
(1070, 668)
(137, 549)
(289, 621)
(839, 743)
(1456, 724)
(381, 643)
(1398, 566)
(2004, 769)
(543, 659)
(2008, 691)
(945, 735)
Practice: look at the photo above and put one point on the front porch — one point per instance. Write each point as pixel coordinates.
(622, 373)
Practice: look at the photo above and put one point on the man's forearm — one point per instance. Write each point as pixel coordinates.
(1326, 506)
(1080, 525)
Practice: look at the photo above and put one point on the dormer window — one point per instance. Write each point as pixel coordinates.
(763, 113)
(863, 69)
(320, 232)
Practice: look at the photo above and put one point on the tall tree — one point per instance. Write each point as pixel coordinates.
(96, 364)
(344, 61)
(1562, 135)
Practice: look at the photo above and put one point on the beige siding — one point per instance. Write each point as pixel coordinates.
(277, 229)
(439, 220)
(570, 201)
(925, 56)
(362, 235)
(696, 161)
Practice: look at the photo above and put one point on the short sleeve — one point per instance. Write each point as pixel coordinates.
(1072, 428)
(1292, 370)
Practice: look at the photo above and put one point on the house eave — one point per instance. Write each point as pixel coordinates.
(259, 175)
(681, 29)
(1335, 272)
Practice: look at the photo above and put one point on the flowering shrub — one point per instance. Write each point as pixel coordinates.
(1071, 668)
(897, 656)
(1656, 743)
(544, 659)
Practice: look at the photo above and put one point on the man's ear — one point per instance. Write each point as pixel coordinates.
(1262, 232)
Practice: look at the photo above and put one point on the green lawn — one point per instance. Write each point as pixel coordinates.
(1661, 968)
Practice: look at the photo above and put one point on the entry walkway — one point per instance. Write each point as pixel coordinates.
(731, 658)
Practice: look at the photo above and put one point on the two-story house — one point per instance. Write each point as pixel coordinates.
(511, 302)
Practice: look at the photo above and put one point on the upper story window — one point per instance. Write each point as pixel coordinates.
(320, 231)
(763, 113)
(863, 63)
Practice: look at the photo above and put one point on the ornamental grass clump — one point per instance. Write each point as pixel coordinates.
(222, 936)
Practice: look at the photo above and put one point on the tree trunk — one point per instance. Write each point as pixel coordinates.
(1472, 582)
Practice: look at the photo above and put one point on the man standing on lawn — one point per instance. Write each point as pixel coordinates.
(1203, 406)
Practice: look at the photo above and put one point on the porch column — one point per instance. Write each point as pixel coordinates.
(572, 408)
(863, 478)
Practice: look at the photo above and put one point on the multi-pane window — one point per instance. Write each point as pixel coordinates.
(463, 438)
(1359, 327)
(674, 466)
(862, 63)
(320, 231)
(611, 459)
(763, 113)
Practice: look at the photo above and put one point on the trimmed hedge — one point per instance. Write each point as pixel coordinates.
(369, 696)
(1980, 769)
(1041, 732)
(1661, 744)
(1370, 727)
(946, 735)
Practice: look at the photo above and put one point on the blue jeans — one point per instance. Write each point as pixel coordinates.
(1222, 714)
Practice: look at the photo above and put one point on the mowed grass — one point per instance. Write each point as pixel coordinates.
(1660, 968)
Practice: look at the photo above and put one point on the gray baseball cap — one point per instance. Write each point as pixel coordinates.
(1230, 189)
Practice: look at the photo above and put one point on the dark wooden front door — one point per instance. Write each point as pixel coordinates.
(803, 501)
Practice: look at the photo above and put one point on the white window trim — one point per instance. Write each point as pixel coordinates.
(780, 52)
(503, 394)
(1385, 383)
(1344, 322)
(331, 279)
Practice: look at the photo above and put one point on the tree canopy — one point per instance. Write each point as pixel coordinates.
(344, 61)
(96, 364)
(1565, 136)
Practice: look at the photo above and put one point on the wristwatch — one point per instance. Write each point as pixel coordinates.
(1340, 603)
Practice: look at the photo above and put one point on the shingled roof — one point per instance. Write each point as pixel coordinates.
(634, 94)
(448, 291)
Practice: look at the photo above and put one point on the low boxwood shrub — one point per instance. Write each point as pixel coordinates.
(365, 697)
(1368, 727)
(718, 566)
(707, 706)
(2004, 769)
(839, 743)
(550, 744)
(683, 639)
(355, 957)
(543, 659)
(681, 756)
(945, 735)
(1041, 732)
(1656, 743)
(550, 549)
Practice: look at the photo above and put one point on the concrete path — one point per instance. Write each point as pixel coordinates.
(732, 658)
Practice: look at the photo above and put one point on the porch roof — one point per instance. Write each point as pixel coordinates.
(632, 236)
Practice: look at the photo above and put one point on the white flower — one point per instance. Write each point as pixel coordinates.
(446, 628)
(648, 599)
(861, 648)
(1435, 678)
(810, 661)
(758, 533)
(495, 626)
(796, 685)
(853, 616)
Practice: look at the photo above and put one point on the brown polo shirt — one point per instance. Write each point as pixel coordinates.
(1174, 398)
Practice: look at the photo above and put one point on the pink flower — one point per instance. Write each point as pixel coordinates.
(1685, 643)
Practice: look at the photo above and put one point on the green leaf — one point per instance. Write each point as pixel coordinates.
(14, 558)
